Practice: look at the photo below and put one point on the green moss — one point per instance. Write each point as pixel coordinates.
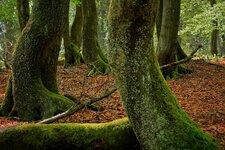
(114, 135)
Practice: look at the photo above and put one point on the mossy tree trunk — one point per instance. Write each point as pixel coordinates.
(23, 17)
(153, 111)
(35, 59)
(23, 12)
(116, 135)
(167, 46)
(214, 34)
(72, 39)
(92, 53)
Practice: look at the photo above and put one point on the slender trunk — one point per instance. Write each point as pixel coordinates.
(92, 53)
(76, 28)
(153, 111)
(103, 7)
(69, 58)
(23, 12)
(72, 40)
(214, 34)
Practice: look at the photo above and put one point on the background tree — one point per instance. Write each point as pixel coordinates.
(195, 28)
(155, 115)
(9, 29)
(168, 44)
(92, 53)
(72, 37)
(34, 67)
(23, 12)
(102, 9)
(214, 34)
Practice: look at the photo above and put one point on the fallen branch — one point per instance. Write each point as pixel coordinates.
(76, 108)
(183, 60)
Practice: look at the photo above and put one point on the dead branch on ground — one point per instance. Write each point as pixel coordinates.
(76, 108)
(183, 60)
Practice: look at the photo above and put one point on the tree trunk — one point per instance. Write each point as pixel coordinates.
(103, 7)
(72, 40)
(116, 135)
(76, 28)
(23, 16)
(214, 34)
(23, 12)
(153, 111)
(35, 60)
(167, 46)
(92, 53)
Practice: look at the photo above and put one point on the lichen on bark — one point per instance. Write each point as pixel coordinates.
(154, 113)
(34, 86)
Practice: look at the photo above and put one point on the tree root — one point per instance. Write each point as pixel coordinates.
(113, 135)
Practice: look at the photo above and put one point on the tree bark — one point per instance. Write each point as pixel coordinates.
(72, 40)
(116, 135)
(92, 53)
(214, 34)
(34, 66)
(76, 28)
(153, 111)
(23, 12)
(167, 46)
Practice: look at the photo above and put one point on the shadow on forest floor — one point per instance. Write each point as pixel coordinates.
(201, 94)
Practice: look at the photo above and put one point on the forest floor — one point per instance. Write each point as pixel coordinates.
(201, 94)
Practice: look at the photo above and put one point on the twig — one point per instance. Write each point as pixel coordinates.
(183, 60)
(76, 108)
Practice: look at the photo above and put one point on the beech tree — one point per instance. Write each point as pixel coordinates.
(92, 53)
(153, 111)
(72, 38)
(35, 93)
(214, 34)
(169, 49)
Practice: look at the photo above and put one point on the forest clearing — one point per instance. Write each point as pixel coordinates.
(201, 94)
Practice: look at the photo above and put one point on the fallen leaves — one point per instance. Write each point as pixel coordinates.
(201, 94)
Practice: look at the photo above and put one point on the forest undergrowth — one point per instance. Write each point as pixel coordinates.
(201, 94)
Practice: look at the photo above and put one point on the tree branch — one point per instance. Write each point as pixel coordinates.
(183, 60)
(76, 108)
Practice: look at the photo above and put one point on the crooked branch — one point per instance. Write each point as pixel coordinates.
(76, 108)
(183, 60)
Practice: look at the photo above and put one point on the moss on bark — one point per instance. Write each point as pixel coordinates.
(35, 62)
(92, 53)
(114, 135)
(154, 113)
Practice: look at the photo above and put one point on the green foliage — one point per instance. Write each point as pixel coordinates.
(196, 21)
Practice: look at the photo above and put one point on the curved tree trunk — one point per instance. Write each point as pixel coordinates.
(23, 16)
(153, 111)
(34, 65)
(23, 12)
(92, 53)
